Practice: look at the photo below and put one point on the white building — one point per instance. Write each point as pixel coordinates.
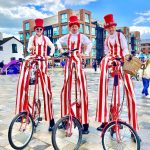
(10, 49)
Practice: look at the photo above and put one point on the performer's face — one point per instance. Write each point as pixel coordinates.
(74, 29)
(111, 30)
(38, 31)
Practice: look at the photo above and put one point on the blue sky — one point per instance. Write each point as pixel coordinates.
(132, 13)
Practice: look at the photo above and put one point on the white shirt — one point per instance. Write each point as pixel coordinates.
(84, 40)
(39, 40)
(112, 39)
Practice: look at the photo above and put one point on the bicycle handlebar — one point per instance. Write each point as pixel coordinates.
(117, 59)
(66, 53)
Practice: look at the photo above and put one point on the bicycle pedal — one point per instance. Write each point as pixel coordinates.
(40, 119)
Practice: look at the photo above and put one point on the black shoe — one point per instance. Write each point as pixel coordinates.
(85, 131)
(51, 125)
(50, 129)
(101, 127)
(61, 126)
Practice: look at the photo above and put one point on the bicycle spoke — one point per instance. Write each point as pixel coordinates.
(68, 137)
(110, 141)
(20, 131)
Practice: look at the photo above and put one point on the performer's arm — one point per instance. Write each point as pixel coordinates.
(106, 50)
(86, 41)
(51, 45)
(60, 41)
(124, 45)
(31, 47)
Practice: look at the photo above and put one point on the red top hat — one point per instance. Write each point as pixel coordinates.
(39, 23)
(109, 21)
(73, 20)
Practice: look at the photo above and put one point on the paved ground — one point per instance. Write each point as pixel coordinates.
(42, 138)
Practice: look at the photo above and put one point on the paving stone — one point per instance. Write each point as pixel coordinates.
(42, 138)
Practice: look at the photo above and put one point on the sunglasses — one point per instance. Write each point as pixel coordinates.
(39, 29)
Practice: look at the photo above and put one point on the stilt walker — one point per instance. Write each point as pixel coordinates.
(75, 40)
(38, 48)
(115, 47)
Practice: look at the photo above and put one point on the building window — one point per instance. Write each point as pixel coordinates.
(26, 46)
(56, 31)
(81, 28)
(87, 18)
(93, 41)
(33, 33)
(64, 18)
(56, 53)
(27, 26)
(14, 48)
(45, 32)
(87, 29)
(27, 35)
(93, 52)
(55, 40)
(64, 30)
(93, 31)
(21, 37)
(88, 61)
(1, 48)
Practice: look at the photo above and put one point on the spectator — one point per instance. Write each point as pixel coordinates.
(2, 64)
(145, 74)
(95, 65)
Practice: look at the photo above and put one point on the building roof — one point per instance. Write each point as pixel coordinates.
(7, 39)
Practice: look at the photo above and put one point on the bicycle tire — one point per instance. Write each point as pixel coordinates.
(10, 130)
(56, 127)
(120, 123)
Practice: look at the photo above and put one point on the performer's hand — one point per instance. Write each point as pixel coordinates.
(61, 50)
(81, 55)
(32, 48)
(48, 57)
(130, 57)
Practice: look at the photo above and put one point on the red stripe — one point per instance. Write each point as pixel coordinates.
(42, 85)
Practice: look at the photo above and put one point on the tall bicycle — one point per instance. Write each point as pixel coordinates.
(67, 132)
(24, 124)
(118, 134)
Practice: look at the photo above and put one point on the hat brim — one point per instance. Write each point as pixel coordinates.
(110, 25)
(74, 23)
(38, 27)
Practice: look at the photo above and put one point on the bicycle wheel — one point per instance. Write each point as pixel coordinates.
(63, 140)
(20, 131)
(37, 112)
(124, 142)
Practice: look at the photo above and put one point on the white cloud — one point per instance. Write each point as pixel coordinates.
(13, 12)
(144, 30)
(22, 12)
(146, 13)
(9, 33)
(143, 17)
(78, 2)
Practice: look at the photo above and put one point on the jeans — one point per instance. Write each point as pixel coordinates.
(145, 86)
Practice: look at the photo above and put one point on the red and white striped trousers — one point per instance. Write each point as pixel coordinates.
(22, 88)
(102, 113)
(82, 87)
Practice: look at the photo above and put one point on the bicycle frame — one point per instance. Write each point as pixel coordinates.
(29, 108)
(114, 109)
(71, 104)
